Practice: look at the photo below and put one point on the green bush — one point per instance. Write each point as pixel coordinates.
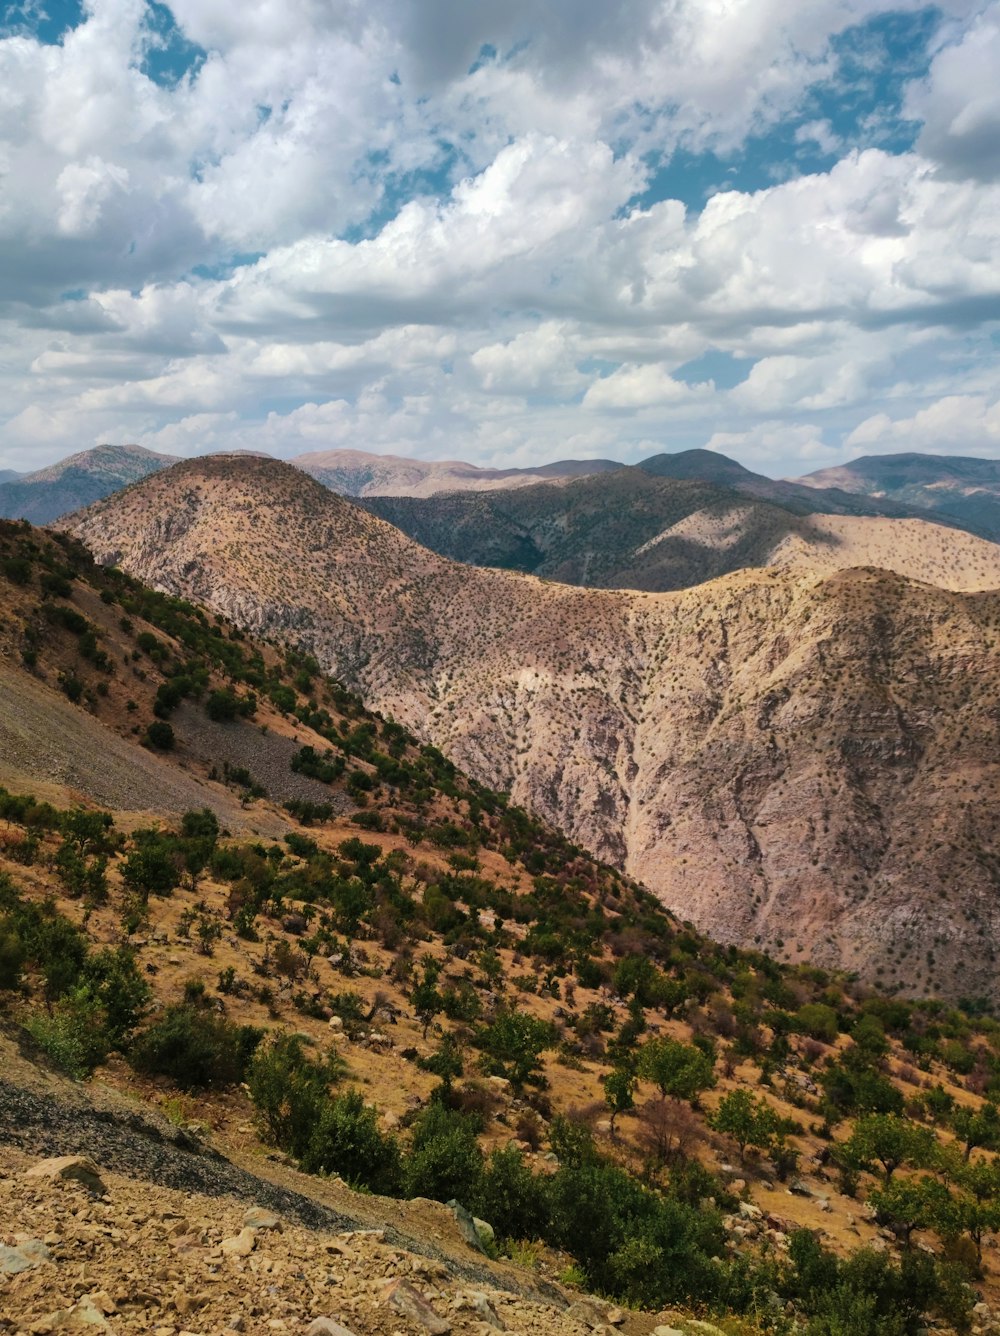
(445, 1160)
(347, 1140)
(289, 1090)
(194, 1048)
(160, 736)
(73, 1033)
(511, 1197)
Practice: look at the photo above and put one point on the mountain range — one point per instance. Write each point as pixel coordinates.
(801, 759)
(678, 520)
(90, 475)
(961, 488)
(75, 482)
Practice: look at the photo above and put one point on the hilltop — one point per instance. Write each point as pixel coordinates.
(358, 473)
(964, 489)
(404, 982)
(697, 519)
(77, 481)
(806, 762)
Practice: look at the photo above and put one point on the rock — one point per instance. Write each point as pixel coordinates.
(500, 1085)
(241, 1245)
(590, 1311)
(466, 1225)
(336, 1023)
(75, 1168)
(86, 1313)
(404, 1299)
(237, 1322)
(259, 1218)
(750, 1212)
(325, 1326)
(30, 1253)
(799, 1189)
(667, 1331)
(481, 1305)
(484, 1229)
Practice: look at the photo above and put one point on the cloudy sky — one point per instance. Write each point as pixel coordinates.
(509, 233)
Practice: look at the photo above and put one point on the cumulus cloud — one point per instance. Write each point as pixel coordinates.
(440, 229)
(954, 425)
(959, 101)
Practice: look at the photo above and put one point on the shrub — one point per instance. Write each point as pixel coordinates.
(289, 1090)
(194, 1048)
(511, 1197)
(445, 1161)
(73, 1033)
(346, 1139)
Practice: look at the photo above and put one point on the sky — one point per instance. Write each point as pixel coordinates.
(502, 233)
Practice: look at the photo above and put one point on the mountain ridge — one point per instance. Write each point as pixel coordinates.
(964, 488)
(756, 749)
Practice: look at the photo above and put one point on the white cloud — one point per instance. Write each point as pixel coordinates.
(439, 246)
(954, 425)
(959, 102)
(641, 387)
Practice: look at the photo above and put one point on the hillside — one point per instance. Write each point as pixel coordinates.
(8, 475)
(76, 481)
(807, 762)
(633, 529)
(966, 490)
(419, 989)
(357, 473)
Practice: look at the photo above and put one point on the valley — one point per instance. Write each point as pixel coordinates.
(780, 755)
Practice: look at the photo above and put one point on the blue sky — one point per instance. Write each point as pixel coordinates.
(575, 230)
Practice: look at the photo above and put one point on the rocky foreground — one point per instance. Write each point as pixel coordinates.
(103, 1244)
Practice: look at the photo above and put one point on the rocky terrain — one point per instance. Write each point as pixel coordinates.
(964, 489)
(76, 481)
(473, 1011)
(357, 473)
(801, 760)
(680, 520)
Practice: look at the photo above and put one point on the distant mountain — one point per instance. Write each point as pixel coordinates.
(77, 481)
(357, 473)
(662, 526)
(965, 489)
(799, 759)
(8, 475)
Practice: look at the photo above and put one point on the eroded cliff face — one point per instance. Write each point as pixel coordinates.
(805, 761)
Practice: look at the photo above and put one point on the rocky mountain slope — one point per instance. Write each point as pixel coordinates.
(964, 489)
(358, 473)
(77, 481)
(702, 518)
(805, 761)
(413, 986)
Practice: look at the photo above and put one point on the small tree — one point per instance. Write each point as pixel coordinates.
(619, 1092)
(427, 1001)
(678, 1070)
(978, 1127)
(891, 1141)
(513, 1044)
(911, 1204)
(750, 1122)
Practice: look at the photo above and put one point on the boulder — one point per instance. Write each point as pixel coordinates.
(325, 1326)
(241, 1244)
(70, 1168)
(30, 1253)
(402, 1298)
